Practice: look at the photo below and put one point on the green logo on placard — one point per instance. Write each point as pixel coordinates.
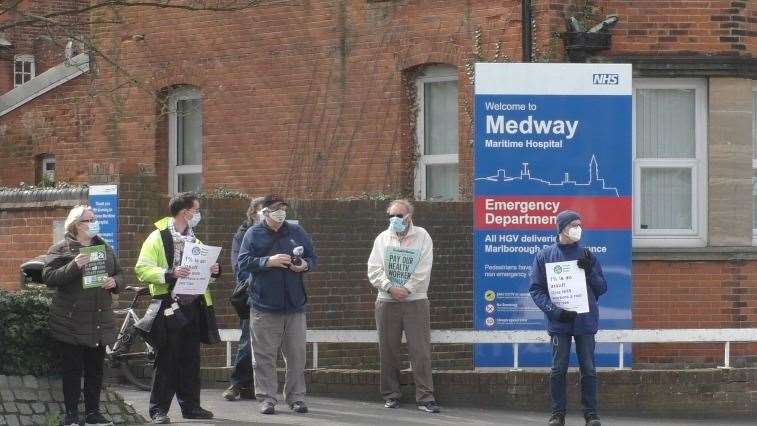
(558, 269)
(490, 295)
(196, 251)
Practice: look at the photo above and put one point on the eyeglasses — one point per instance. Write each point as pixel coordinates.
(88, 221)
(397, 215)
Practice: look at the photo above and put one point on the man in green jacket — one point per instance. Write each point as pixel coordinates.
(177, 362)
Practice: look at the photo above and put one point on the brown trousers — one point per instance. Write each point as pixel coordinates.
(414, 318)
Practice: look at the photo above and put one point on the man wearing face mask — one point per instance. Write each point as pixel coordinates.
(177, 361)
(399, 267)
(565, 326)
(276, 254)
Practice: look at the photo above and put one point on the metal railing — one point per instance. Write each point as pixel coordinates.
(516, 338)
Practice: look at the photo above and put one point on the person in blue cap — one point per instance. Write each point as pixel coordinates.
(565, 325)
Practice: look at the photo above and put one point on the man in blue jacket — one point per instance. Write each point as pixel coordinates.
(565, 325)
(277, 254)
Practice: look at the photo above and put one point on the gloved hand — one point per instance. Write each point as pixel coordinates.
(585, 262)
(567, 316)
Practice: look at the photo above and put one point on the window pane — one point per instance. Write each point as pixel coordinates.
(19, 79)
(190, 182)
(27, 77)
(441, 182)
(665, 124)
(28, 67)
(19, 66)
(754, 201)
(666, 198)
(189, 132)
(754, 125)
(440, 117)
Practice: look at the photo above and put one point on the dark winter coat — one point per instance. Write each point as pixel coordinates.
(79, 316)
(275, 289)
(586, 323)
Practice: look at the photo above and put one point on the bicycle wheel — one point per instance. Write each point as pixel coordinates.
(137, 362)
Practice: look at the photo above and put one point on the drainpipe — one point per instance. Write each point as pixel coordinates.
(526, 30)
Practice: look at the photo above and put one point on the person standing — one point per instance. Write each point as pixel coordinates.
(241, 375)
(565, 325)
(177, 361)
(81, 319)
(402, 304)
(277, 254)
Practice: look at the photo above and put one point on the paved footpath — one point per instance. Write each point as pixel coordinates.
(342, 412)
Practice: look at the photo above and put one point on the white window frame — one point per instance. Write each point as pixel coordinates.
(697, 236)
(174, 170)
(754, 161)
(24, 58)
(431, 74)
(43, 164)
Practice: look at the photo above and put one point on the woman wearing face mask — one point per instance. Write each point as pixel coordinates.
(81, 318)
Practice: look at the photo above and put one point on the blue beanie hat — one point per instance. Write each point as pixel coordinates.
(564, 218)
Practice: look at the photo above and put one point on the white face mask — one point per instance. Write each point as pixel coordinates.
(279, 216)
(195, 220)
(574, 233)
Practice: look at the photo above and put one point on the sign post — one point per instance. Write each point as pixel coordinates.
(104, 202)
(549, 137)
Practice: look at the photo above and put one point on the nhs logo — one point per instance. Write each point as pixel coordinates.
(605, 78)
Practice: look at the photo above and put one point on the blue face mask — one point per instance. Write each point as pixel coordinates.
(397, 224)
(93, 228)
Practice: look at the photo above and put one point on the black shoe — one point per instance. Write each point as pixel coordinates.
(299, 407)
(160, 418)
(267, 408)
(71, 419)
(592, 420)
(197, 413)
(231, 394)
(247, 393)
(392, 403)
(429, 406)
(557, 419)
(96, 418)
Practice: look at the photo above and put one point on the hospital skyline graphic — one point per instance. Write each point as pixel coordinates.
(527, 183)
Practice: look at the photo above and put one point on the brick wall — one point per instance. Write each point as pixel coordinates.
(26, 228)
(712, 394)
(667, 294)
(675, 27)
(695, 294)
(314, 93)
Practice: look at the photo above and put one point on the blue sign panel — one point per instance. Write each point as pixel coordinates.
(104, 202)
(549, 137)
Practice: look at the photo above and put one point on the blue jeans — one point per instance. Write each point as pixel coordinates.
(241, 376)
(560, 359)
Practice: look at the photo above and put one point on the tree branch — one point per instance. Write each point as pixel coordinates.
(31, 19)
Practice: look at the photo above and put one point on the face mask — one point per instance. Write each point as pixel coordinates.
(574, 233)
(279, 216)
(93, 228)
(195, 220)
(397, 224)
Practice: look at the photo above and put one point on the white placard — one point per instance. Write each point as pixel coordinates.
(566, 283)
(199, 258)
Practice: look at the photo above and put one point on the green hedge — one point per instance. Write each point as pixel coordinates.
(25, 343)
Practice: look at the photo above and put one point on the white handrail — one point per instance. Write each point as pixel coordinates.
(699, 335)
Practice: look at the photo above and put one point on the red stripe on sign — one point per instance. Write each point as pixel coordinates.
(539, 212)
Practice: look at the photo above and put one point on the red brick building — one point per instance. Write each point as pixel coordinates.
(328, 99)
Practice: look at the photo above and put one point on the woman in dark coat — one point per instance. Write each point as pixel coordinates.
(81, 319)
